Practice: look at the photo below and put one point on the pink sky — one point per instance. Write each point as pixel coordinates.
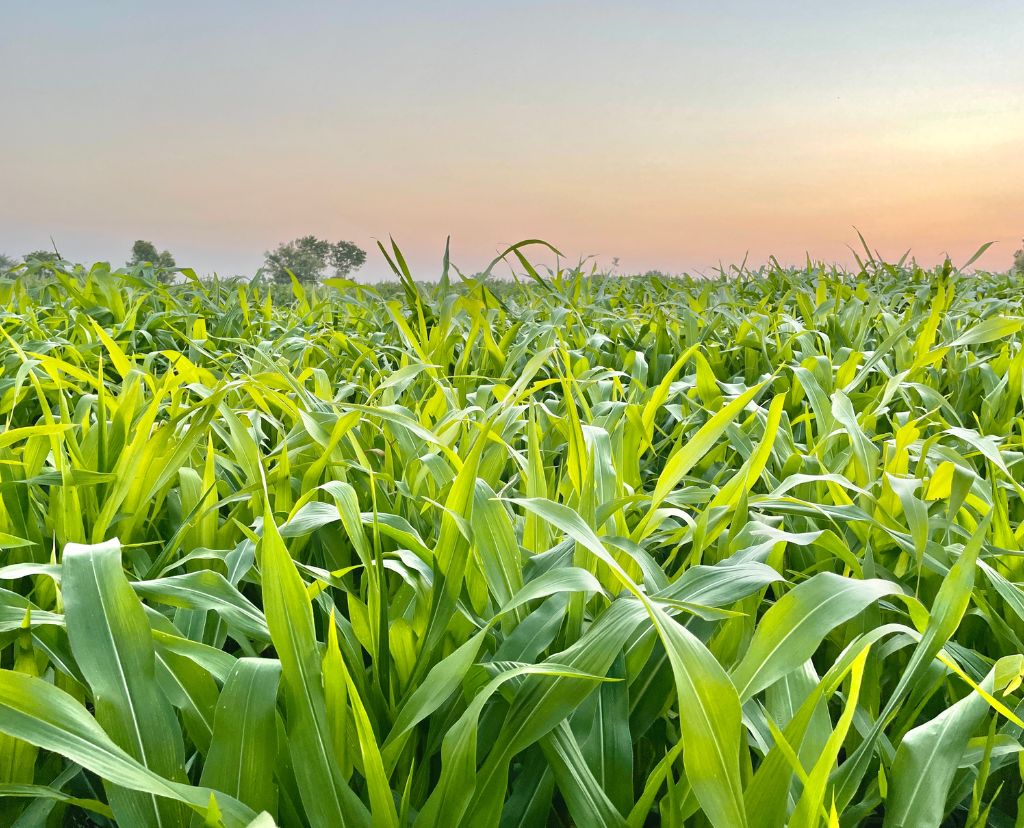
(667, 135)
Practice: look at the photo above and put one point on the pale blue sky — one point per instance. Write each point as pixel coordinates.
(671, 135)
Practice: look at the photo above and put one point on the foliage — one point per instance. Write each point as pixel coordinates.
(574, 551)
(6, 263)
(311, 260)
(43, 256)
(145, 252)
(1018, 260)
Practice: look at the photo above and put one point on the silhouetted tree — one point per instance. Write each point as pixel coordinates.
(312, 259)
(46, 256)
(146, 252)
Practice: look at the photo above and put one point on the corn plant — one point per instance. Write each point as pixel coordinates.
(566, 550)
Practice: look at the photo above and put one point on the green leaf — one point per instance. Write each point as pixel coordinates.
(111, 641)
(928, 756)
(243, 751)
(326, 797)
(792, 630)
(689, 454)
(43, 715)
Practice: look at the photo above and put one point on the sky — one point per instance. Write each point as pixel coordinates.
(667, 135)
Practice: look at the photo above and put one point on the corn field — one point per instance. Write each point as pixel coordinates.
(570, 551)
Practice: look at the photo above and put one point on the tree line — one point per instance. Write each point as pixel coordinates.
(308, 259)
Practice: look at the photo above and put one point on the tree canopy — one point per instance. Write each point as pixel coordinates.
(312, 259)
(41, 256)
(145, 252)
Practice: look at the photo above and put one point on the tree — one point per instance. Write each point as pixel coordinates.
(1018, 260)
(311, 259)
(43, 256)
(6, 263)
(145, 252)
(346, 257)
(40, 264)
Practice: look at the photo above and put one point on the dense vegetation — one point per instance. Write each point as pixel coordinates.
(580, 551)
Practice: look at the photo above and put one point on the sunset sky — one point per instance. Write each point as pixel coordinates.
(672, 135)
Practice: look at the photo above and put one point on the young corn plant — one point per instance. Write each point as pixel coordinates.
(571, 550)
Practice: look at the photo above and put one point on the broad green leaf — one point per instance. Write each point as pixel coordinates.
(111, 640)
(326, 797)
(791, 631)
(43, 715)
(928, 756)
(243, 751)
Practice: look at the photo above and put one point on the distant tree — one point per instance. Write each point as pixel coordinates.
(146, 252)
(312, 259)
(6, 263)
(346, 257)
(45, 256)
(40, 265)
(1018, 260)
